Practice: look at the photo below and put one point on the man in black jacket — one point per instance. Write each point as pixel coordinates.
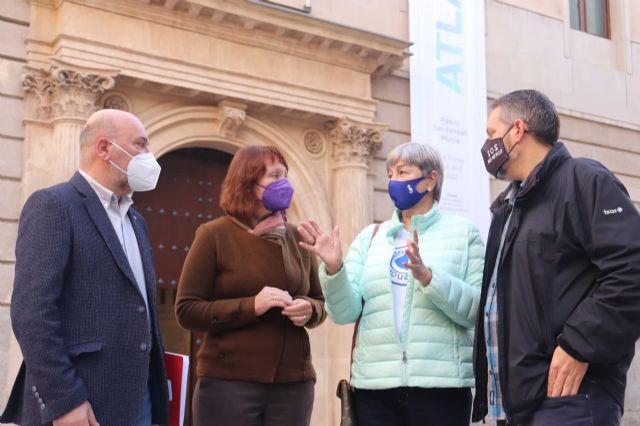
(560, 304)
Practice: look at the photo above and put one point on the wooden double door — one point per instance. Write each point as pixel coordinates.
(187, 195)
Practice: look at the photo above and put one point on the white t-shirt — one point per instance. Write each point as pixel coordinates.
(399, 275)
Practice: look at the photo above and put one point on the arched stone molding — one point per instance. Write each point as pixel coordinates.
(172, 127)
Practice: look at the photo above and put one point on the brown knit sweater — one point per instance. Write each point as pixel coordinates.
(225, 269)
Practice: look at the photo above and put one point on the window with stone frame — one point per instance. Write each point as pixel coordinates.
(590, 16)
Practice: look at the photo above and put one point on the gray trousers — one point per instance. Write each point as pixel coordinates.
(234, 403)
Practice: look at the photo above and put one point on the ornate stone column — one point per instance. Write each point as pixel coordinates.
(60, 100)
(353, 145)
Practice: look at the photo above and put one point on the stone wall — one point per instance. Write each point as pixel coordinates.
(392, 94)
(14, 26)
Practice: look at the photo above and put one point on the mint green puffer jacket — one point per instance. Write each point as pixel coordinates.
(436, 343)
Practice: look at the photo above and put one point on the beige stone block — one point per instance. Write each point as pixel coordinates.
(634, 20)
(632, 396)
(8, 236)
(392, 139)
(606, 98)
(629, 181)
(398, 117)
(322, 406)
(17, 10)
(5, 336)
(586, 131)
(319, 338)
(499, 36)
(13, 37)
(392, 89)
(10, 77)
(383, 206)
(388, 17)
(632, 399)
(586, 48)
(631, 417)
(632, 185)
(11, 117)
(633, 80)
(7, 273)
(615, 160)
(9, 207)
(381, 179)
(11, 158)
(514, 37)
(551, 8)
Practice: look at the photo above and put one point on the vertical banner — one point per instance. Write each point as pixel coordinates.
(449, 98)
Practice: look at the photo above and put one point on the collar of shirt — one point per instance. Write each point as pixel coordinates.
(107, 198)
(511, 196)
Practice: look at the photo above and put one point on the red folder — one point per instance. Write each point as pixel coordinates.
(177, 374)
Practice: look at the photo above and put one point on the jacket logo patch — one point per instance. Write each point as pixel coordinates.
(612, 211)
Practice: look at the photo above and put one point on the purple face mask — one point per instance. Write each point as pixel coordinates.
(277, 195)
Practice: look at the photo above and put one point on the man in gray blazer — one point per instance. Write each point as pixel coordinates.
(83, 304)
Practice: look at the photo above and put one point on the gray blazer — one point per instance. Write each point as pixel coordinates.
(79, 316)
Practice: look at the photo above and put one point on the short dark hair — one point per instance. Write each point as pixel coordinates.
(535, 109)
(247, 167)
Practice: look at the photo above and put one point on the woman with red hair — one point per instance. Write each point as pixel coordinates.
(247, 285)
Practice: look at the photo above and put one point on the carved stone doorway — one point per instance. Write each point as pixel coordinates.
(187, 195)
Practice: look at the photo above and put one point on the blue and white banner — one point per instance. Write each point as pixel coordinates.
(449, 98)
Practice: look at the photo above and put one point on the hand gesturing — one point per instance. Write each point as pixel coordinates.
(418, 269)
(326, 247)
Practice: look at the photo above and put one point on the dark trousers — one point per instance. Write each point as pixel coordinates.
(413, 407)
(593, 406)
(234, 403)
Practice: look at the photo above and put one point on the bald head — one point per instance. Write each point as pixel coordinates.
(108, 142)
(106, 124)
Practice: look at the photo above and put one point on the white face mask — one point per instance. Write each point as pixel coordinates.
(142, 172)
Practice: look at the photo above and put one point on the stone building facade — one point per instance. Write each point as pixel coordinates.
(325, 80)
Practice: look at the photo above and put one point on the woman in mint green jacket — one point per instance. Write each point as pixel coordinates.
(416, 282)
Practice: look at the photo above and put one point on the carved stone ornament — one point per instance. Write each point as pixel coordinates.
(314, 142)
(63, 93)
(354, 142)
(116, 100)
(231, 115)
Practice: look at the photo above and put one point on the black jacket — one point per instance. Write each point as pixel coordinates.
(569, 276)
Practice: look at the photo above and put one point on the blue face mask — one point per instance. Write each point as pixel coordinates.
(405, 194)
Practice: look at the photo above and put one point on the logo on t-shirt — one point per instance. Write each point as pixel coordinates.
(399, 273)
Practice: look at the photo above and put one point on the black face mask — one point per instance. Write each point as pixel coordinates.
(495, 154)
